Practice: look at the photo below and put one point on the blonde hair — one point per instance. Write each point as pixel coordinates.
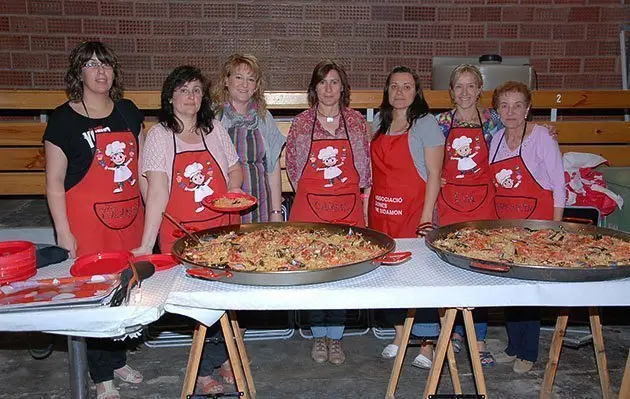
(459, 71)
(220, 94)
(511, 87)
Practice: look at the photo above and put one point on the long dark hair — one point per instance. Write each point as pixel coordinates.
(319, 73)
(82, 54)
(418, 108)
(176, 79)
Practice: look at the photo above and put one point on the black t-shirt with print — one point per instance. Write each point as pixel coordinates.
(69, 131)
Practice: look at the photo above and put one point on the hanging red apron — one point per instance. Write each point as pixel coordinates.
(397, 195)
(328, 190)
(104, 209)
(468, 193)
(519, 196)
(196, 175)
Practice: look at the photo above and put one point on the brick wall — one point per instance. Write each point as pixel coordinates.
(572, 43)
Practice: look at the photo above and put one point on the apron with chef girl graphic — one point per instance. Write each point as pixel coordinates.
(104, 209)
(328, 190)
(468, 193)
(519, 196)
(397, 196)
(196, 175)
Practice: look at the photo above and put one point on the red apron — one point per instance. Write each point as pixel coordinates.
(104, 209)
(397, 195)
(468, 193)
(328, 190)
(519, 196)
(196, 175)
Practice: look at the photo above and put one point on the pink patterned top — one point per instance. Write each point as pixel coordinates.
(158, 152)
(299, 143)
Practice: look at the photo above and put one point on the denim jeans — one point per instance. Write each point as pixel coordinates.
(327, 323)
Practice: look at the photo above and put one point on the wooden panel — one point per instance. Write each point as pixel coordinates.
(286, 184)
(23, 183)
(26, 159)
(617, 155)
(590, 132)
(21, 133)
(438, 99)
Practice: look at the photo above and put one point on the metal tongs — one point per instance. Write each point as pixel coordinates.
(134, 274)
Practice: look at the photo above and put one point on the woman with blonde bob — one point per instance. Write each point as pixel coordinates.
(240, 104)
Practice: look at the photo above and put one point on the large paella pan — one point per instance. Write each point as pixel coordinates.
(381, 243)
(577, 272)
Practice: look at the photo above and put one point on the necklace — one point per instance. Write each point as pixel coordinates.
(329, 118)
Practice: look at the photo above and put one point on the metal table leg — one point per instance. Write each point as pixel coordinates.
(77, 359)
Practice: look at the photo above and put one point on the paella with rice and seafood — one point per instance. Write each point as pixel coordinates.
(278, 249)
(545, 247)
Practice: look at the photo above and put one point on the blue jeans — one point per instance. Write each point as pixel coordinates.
(327, 323)
(427, 325)
(481, 325)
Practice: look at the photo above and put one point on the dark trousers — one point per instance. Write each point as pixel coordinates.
(523, 329)
(214, 353)
(105, 355)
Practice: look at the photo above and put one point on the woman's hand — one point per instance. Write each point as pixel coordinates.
(236, 190)
(141, 251)
(553, 131)
(276, 217)
(66, 240)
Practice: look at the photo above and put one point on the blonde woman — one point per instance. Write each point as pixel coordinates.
(241, 106)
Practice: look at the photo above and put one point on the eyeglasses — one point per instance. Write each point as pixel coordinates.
(96, 65)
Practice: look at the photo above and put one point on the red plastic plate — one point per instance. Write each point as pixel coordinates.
(207, 274)
(160, 261)
(209, 202)
(101, 263)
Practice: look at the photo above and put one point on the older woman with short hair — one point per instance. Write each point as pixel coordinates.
(527, 171)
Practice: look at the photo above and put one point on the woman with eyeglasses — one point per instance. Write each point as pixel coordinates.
(92, 143)
(188, 156)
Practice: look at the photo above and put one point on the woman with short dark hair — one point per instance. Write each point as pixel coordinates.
(92, 144)
(188, 156)
(328, 164)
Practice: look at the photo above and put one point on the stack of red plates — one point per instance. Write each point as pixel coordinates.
(17, 261)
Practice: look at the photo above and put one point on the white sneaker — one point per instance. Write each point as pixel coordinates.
(422, 362)
(390, 351)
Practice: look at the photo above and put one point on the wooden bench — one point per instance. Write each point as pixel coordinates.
(23, 120)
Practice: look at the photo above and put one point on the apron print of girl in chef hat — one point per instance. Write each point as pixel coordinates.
(200, 185)
(504, 178)
(328, 156)
(464, 156)
(116, 153)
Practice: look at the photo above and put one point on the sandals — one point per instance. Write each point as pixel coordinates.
(225, 371)
(128, 374)
(107, 390)
(390, 351)
(486, 358)
(422, 362)
(457, 343)
(209, 386)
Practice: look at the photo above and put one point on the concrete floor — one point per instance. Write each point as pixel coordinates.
(282, 368)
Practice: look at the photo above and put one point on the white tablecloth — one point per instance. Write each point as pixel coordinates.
(423, 282)
(145, 306)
